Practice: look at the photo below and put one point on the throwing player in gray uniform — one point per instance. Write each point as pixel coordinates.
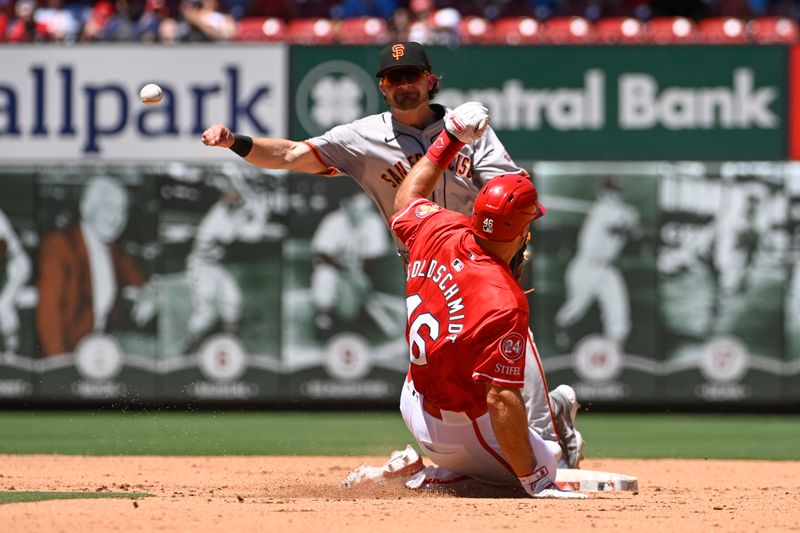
(378, 151)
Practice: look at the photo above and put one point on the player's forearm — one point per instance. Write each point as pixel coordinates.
(283, 154)
(419, 182)
(510, 424)
(265, 152)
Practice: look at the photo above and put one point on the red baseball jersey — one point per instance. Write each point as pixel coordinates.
(467, 316)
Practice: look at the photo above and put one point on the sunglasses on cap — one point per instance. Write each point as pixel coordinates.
(398, 75)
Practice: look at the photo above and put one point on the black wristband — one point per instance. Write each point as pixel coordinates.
(242, 144)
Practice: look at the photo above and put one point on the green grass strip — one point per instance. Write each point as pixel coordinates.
(692, 436)
(22, 497)
(376, 433)
(205, 433)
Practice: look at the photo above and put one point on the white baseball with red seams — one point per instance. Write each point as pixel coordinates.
(151, 94)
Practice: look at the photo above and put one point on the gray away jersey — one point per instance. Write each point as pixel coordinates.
(378, 152)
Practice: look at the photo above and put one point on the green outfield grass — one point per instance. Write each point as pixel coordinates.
(21, 496)
(376, 433)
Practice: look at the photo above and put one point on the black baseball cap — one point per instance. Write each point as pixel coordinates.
(403, 54)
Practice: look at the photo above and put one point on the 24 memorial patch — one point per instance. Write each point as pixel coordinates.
(512, 346)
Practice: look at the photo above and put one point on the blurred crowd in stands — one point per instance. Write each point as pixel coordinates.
(376, 21)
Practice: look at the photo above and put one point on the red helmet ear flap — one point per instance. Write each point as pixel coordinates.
(505, 206)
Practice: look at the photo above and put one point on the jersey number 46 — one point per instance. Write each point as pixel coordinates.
(423, 329)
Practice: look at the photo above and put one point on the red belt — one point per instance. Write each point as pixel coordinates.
(431, 409)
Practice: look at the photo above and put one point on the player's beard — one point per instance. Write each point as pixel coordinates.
(407, 100)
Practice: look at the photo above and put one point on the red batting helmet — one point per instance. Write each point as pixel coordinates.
(505, 206)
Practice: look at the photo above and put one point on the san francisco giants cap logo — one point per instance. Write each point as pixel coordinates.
(398, 51)
(512, 346)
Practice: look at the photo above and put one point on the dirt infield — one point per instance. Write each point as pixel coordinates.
(293, 494)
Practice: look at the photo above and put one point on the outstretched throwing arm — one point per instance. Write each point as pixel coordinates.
(265, 152)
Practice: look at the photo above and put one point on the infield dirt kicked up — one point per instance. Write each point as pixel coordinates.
(294, 494)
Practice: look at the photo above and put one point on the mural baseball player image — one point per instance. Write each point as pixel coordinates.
(85, 272)
(592, 274)
(240, 214)
(346, 244)
(467, 327)
(17, 272)
(378, 152)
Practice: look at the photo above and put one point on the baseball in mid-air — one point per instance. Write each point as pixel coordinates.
(151, 94)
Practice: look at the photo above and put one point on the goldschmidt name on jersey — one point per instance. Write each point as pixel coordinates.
(440, 275)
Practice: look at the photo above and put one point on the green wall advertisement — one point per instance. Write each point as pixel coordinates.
(575, 102)
(666, 270)
(654, 282)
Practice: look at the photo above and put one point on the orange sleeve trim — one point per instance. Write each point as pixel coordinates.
(331, 171)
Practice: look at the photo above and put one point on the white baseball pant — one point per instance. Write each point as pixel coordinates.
(464, 446)
(535, 396)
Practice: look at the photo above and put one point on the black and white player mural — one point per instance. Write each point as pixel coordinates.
(17, 273)
(594, 261)
(343, 303)
(673, 281)
(792, 309)
(593, 275)
(222, 228)
(96, 282)
(722, 275)
(17, 291)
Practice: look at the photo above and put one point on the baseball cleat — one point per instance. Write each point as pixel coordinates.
(401, 464)
(558, 494)
(565, 408)
(581, 444)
